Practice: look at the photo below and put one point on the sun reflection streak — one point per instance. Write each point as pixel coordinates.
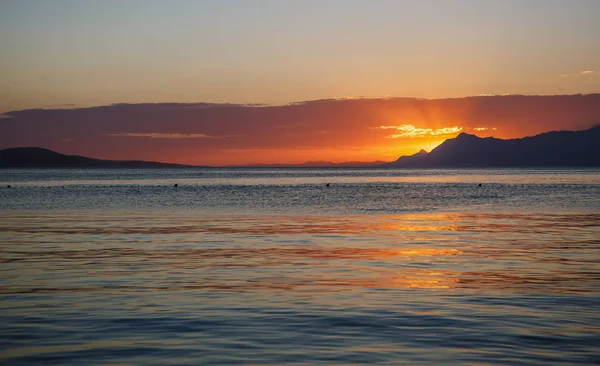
(203, 253)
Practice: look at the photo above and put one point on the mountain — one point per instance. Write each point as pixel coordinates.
(37, 157)
(551, 149)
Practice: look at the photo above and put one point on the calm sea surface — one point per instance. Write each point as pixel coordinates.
(270, 266)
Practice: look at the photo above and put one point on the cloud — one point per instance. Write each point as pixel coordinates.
(412, 131)
(156, 135)
(581, 73)
(482, 128)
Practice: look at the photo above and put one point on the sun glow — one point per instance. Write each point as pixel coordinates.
(412, 131)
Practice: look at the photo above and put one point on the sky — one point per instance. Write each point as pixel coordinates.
(78, 54)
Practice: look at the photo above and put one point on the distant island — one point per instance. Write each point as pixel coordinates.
(37, 157)
(315, 164)
(551, 149)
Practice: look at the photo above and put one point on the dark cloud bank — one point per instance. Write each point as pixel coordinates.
(166, 131)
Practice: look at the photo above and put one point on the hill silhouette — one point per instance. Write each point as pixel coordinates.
(315, 164)
(37, 157)
(551, 149)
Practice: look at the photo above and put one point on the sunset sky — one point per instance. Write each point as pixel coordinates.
(81, 61)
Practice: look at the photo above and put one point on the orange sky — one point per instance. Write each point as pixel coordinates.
(327, 130)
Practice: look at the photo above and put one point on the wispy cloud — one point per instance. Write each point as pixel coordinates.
(483, 128)
(581, 73)
(158, 135)
(412, 131)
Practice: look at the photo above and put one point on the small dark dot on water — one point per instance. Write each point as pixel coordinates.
(8, 186)
(327, 185)
(176, 185)
(480, 184)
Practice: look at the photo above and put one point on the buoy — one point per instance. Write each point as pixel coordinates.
(176, 185)
(480, 184)
(8, 186)
(327, 185)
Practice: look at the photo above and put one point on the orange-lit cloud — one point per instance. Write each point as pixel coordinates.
(412, 131)
(481, 129)
(582, 73)
(155, 135)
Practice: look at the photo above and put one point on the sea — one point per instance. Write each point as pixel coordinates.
(299, 267)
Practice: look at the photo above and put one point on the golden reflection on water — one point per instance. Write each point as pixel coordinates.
(144, 251)
(177, 273)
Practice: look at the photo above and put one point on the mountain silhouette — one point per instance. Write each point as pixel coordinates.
(37, 157)
(551, 149)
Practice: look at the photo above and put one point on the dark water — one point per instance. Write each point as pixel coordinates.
(272, 267)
